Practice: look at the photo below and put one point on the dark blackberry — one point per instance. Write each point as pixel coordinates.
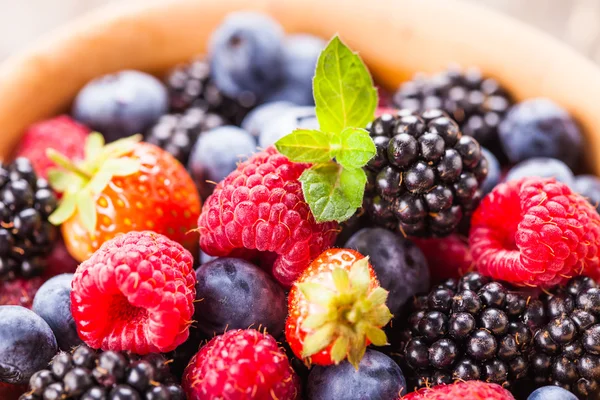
(85, 374)
(26, 236)
(177, 133)
(477, 103)
(190, 85)
(425, 176)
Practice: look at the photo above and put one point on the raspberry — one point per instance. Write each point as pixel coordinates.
(19, 292)
(471, 390)
(241, 364)
(135, 293)
(259, 211)
(535, 232)
(447, 257)
(61, 133)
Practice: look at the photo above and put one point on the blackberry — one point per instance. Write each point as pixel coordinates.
(425, 176)
(477, 103)
(177, 133)
(190, 85)
(87, 375)
(26, 236)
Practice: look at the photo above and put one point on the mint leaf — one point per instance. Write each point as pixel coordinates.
(332, 191)
(305, 145)
(343, 89)
(356, 148)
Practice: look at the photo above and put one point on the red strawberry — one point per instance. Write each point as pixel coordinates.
(469, 390)
(447, 257)
(61, 133)
(335, 309)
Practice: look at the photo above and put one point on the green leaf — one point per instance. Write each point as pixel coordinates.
(63, 181)
(64, 211)
(339, 350)
(305, 145)
(359, 275)
(333, 192)
(314, 321)
(356, 148)
(93, 145)
(99, 182)
(378, 296)
(340, 279)
(317, 341)
(316, 293)
(376, 335)
(343, 89)
(121, 166)
(86, 209)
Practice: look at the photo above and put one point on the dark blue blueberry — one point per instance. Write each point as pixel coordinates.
(246, 53)
(262, 115)
(543, 167)
(377, 377)
(121, 104)
(236, 294)
(216, 154)
(27, 344)
(296, 117)
(400, 265)
(52, 302)
(540, 128)
(589, 187)
(494, 172)
(551, 393)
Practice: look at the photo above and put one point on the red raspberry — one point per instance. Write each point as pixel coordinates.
(19, 292)
(135, 293)
(447, 257)
(469, 390)
(241, 364)
(61, 133)
(259, 211)
(535, 232)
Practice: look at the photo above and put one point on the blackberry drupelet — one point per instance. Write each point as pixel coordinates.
(425, 176)
(177, 133)
(85, 374)
(477, 103)
(26, 236)
(190, 85)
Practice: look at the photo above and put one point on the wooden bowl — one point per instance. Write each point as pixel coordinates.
(395, 37)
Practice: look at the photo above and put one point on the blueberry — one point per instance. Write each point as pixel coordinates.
(121, 104)
(540, 128)
(52, 302)
(494, 171)
(551, 393)
(260, 116)
(27, 344)
(236, 295)
(543, 167)
(216, 154)
(589, 187)
(246, 53)
(400, 265)
(377, 377)
(296, 117)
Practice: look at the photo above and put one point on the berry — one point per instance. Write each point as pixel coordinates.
(217, 153)
(542, 167)
(19, 292)
(377, 377)
(512, 239)
(177, 133)
(52, 302)
(494, 173)
(135, 293)
(551, 393)
(246, 54)
(259, 211)
(62, 133)
(471, 390)
(241, 364)
(261, 115)
(235, 294)
(335, 309)
(541, 128)
(133, 179)
(26, 344)
(121, 104)
(589, 187)
(425, 175)
(400, 266)
(286, 122)
(447, 257)
(477, 103)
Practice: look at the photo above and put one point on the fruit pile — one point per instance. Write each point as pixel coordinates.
(259, 225)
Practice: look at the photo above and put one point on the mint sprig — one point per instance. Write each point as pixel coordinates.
(345, 101)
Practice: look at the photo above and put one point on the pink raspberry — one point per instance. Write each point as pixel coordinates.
(258, 211)
(447, 257)
(135, 293)
(535, 232)
(469, 390)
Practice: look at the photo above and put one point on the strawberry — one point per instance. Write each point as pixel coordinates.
(336, 309)
(124, 186)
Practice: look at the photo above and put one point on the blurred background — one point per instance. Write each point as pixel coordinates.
(576, 22)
